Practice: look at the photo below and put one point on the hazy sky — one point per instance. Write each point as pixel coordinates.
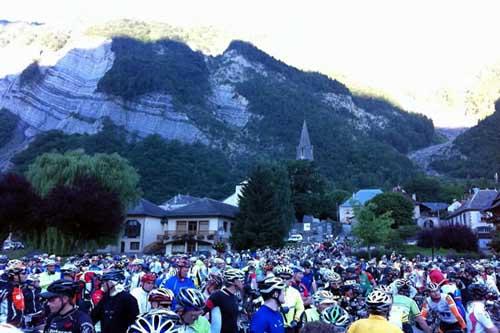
(408, 45)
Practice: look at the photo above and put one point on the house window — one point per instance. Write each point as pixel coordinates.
(181, 226)
(132, 229)
(225, 226)
(203, 227)
(193, 227)
(134, 246)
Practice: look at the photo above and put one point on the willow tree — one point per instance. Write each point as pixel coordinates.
(58, 178)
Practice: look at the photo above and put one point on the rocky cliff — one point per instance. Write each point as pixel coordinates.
(241, 101)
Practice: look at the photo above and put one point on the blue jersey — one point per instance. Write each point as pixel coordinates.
(307, 280)
(175, 284)
(267, 320)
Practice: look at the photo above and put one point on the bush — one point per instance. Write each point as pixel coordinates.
(459, 238)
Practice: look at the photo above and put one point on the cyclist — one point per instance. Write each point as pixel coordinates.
(141, 293)
(161, 298)
(379, 305)
(268, 319)
(64, 316)
(404, 309)
(293, 306)
(190, 304)
(337, 317)
(159, 321)
(321, 300)
(445, 307)
(224, 304)
(180, 280)
(478, 320)
(118, 309)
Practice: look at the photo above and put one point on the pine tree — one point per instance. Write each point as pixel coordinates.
(265, 209)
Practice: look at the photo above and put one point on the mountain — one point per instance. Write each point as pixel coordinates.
(240, 106)
(474, 153)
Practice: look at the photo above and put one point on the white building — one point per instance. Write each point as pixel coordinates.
(346, 210)
(473, 215)
(197, 226)
(142, 226)
(234, 199)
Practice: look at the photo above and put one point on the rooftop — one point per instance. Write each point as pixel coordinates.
(361, 197)
(205, 208)
(146, 208)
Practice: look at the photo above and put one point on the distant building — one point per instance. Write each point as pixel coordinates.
(305, 149)
(346, 209)
(234, 199)
(473, 213)
(430, 214)
(143, 223)
(178, 201)
(197, 226)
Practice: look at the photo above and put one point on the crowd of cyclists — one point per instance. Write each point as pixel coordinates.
(308, 288)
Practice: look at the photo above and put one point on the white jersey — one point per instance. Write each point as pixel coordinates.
(142, 299)
(478, 320)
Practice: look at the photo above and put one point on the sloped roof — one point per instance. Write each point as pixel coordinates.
(180, 199)
(146, 208)
(435, 206)
(361, 197)
(205, 208)
(481, 200)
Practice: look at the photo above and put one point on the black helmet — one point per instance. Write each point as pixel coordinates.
(478, 291)
(60, 288)
(113, 275)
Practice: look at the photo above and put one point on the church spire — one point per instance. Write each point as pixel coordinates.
(305, 149)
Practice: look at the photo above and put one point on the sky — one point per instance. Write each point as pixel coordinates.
(408, 47)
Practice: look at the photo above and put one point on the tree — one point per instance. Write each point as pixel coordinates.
(81, 216)
(401, 208)
(371, 229)
(329, 203)
(265, 209)
(112, 171)
(18, 205)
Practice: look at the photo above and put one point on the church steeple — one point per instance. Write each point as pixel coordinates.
(305, 149)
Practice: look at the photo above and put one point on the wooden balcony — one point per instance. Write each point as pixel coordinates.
(209, 236)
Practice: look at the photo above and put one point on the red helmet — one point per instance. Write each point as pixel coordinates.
(148, 277)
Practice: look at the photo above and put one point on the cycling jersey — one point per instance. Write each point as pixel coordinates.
(478, 320)
(403, 310)
(312, 314)
(446, 309)
(266, 320)
(373, 324)
(142, 299)
(200, 325)
(74, 321)
(228, 305)
(116, 313)
(294, 304)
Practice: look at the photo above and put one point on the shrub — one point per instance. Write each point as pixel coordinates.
(459, 238)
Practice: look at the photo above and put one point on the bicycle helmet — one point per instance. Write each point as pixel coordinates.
(332, 277)
(335, 315)
(69, 269)
(271, 284)
(15, 267)
(478, 291)
(323, 297)
(148, 277)
(160, 321)
(283, 272)
(383, 288)
(433, 287)
(113, 275)
(216, 278)
(378, 301)
(60, 288)
(161, 295)
(190, 298)
(232, 274)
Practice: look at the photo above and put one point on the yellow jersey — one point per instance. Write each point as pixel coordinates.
(373, 324)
